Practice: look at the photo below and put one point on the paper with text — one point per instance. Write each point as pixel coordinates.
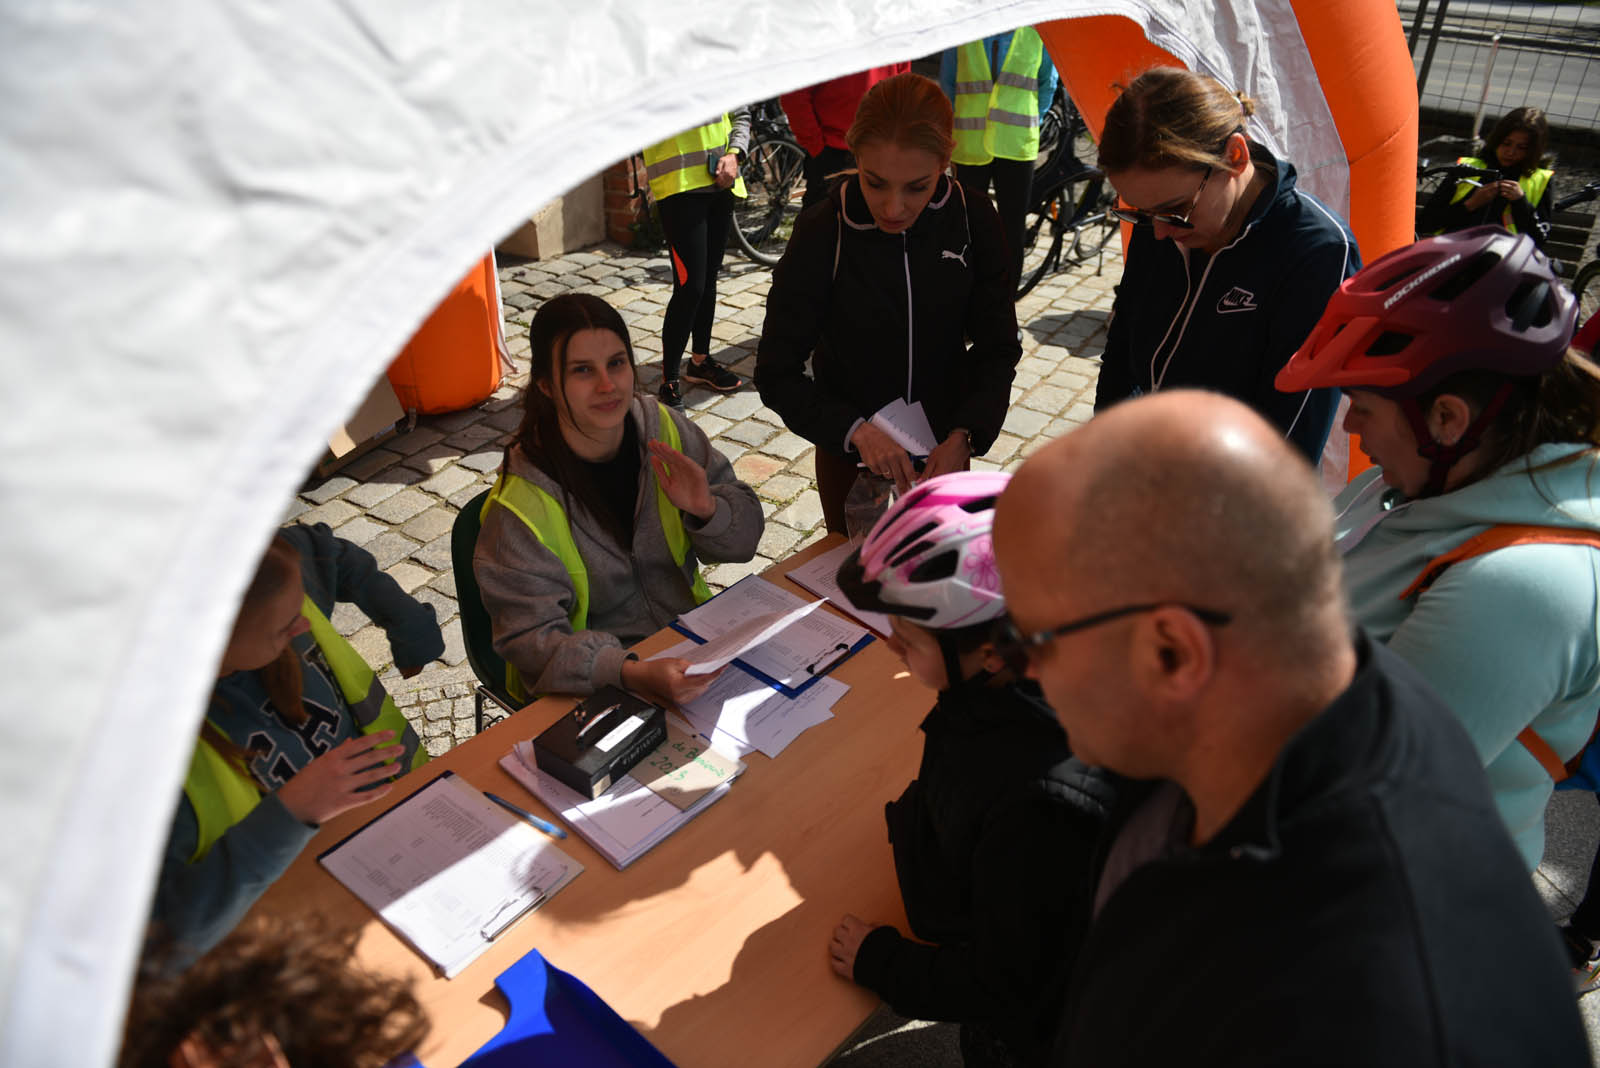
(820, 575)
(807, 647)
(741, 714)
(447, 865)
(743, 637)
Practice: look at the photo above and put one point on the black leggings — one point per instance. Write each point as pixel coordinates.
(1013, 183)
(696, 225)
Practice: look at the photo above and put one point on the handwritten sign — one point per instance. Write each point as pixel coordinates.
(682, 770)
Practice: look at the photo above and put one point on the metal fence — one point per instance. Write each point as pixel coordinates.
(1477, 59)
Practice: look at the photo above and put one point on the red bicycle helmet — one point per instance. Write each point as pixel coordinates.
(1477, 299)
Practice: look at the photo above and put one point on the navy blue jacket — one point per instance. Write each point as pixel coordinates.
(1229, 322)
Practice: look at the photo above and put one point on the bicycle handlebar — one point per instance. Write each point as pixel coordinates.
(1459, 171)
(1582, 196)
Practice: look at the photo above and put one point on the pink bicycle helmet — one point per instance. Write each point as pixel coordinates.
(1477, 299)
(929, 557)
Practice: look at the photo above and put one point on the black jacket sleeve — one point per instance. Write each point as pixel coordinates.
(1305, 417)
(797, 306)
(1535, 221)
(1030, 907)
(1116, 378)
(337, 570)
(991, 325)
(1439, 215)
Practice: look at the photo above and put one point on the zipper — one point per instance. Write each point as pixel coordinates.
(905, 258)
(1186, 310)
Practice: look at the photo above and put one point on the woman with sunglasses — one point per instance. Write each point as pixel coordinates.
(1230, 263)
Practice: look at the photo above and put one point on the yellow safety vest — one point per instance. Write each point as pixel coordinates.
(684, 162)
(222, 794)
(998, 117)
(1533, 186)
(545, 517)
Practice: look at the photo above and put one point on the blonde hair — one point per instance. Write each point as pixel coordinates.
(1171, 117)
(908, 111)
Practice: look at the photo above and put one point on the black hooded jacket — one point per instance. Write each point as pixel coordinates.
(843, 288)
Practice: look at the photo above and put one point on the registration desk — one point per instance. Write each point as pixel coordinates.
(713, 944)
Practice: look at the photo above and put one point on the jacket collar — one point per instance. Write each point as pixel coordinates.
(853, 206)
(1328, 756)
(1279, 187)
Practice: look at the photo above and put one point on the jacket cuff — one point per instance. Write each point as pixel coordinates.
(715, 527)
(872, 958)
(419, 641)
(608, 666)
(848, 434)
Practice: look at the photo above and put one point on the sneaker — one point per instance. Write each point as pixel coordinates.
(710, 373)
(671, 393)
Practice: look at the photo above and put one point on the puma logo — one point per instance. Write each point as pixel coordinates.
(959, 257)
(1236, 300)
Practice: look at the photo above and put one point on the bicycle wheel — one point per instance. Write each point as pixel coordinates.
(1042, 235)
(762, 221)
(1093, 224)
(1586, 284)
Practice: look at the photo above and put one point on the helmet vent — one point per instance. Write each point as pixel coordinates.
(1389, 343)
(1530, 305)
(1393, 281)
(936, 567)
(979, 504)
(1463, 279)
(910, 545)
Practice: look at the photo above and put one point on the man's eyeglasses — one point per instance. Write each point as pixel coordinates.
(1177, 222)
(1017, 648)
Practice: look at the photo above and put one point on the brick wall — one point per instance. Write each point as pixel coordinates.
(622, 208)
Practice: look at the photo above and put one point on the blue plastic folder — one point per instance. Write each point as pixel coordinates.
(838, 656)
(555, 1019)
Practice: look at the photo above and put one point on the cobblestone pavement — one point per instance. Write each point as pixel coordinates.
(400, 500)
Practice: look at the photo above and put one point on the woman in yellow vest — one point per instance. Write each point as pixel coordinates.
(694, 178)
(1519, 201)
(607, 501)
(298, 730)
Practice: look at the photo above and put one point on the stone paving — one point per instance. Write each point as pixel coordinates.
(399, 500)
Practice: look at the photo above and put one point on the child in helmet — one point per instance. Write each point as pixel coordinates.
(992, 839)
(1484, 431)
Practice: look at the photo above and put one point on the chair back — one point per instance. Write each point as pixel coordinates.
(476, 632)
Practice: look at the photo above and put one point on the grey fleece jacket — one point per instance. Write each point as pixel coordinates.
(529, 595)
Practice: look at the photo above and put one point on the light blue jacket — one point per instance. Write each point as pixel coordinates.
(1509, 638)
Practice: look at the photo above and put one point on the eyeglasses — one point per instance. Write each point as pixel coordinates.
(1177, 222)
(1017, 648)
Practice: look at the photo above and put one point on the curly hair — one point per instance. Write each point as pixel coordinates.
(274, 980)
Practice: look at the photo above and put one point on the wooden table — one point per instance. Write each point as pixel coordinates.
(713, 944)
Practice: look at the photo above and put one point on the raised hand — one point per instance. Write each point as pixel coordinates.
(683, 480)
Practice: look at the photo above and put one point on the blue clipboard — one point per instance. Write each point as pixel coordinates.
(838, 655)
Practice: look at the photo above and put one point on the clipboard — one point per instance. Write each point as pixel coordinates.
(836, 656)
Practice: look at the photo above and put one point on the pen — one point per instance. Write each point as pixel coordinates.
(489, 935)
(544, 825)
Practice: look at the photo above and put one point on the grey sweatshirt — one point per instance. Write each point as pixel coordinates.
(529, 595)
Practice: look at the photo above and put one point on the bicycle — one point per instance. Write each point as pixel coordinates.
(1586, 282)
(1070, 197)
(773, 172)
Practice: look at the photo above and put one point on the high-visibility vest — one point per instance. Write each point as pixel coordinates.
(684, 162)
(1533, 186)
(998, 117)
(545, 517)
(222, 794)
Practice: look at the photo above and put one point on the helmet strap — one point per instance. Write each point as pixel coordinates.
(953, 679)
(1443, 457)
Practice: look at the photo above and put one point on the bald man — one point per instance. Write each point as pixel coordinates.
(1313, 872)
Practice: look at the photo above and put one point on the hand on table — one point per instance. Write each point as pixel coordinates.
(882, 456)
(682, 480)
(664, 679)
(846, 942)
(727, 171)
(949, 455)
(332, 783)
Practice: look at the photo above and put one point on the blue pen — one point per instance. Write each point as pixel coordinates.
(544, 825)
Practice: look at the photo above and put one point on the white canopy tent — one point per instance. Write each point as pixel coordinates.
(220, 222)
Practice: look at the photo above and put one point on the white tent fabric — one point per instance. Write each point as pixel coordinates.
(221, 220)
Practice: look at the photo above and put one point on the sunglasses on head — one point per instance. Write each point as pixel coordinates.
(1017, 648)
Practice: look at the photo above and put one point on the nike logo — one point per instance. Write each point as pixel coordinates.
(959, 257)
(1236, 300)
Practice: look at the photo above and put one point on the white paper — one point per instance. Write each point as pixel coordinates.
(808, 647)
(741, 714)
(623, 823)
(820, 575)
(447, 864)
(748, 635)
(906, 425)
